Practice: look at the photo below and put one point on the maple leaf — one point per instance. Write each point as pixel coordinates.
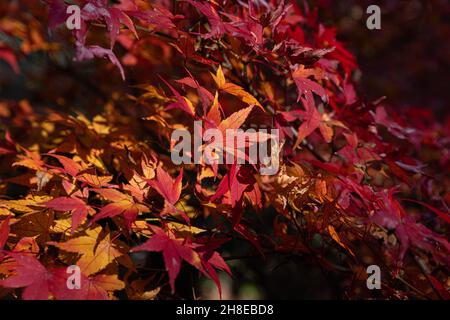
(230, 183)
(174, 252)
(34, 224)
(234, 89)
(166, 186)
(182, 103)
(91, 288)
(211, 259)
(186, 46)
(170, 190)
(94, 180)
(89, 52)
(277, 16)
(27, 245)
(57, 13)
(4, 231)
(236, 182)
(380, 116)
(96, 9)
(79, 171)
(326, 37)
(113, 21)
(138, 185)
(95, 255)
(32, 275)
(305, 85)
(309, 125)
(78, 208)
(236, 120)
(217, 26)
(312, 120)
(41, 284)
(31, 160)
(249, 235)
(205, 96)
(7, 146)
(8, 55)
(214, 115)
(391, 215)
(122, 204)
(233, 122)
(336, 238)
(159, 17)
(69, 165)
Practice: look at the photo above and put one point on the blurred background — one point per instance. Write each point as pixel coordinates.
(408, 60)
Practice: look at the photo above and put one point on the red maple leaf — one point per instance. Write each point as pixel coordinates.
(122, 204)
(91, 288)
(170, 189)
(96, 9)
(78, 207)
(8, 55)
(57, 13)
(4, 232)
(174, 252)
(32, 275)
(216, 24)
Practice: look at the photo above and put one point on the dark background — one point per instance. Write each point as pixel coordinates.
(408, 60)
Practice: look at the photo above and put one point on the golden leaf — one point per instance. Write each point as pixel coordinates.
(93, 258)
(336, 238)
(219, 78)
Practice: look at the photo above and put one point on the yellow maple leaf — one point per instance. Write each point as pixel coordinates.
(219, 78)
(94, 258)
(239, 92)
(109, 282)
(234, 89)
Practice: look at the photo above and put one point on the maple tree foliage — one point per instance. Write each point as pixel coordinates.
(92, 183)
